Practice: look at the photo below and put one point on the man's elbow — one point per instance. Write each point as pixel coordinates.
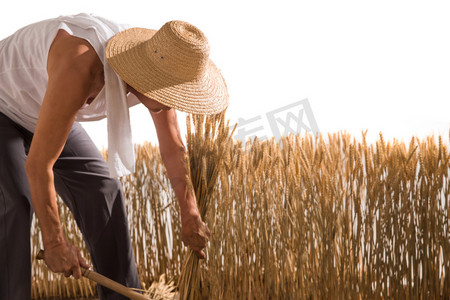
(35, 167)
(169, 153)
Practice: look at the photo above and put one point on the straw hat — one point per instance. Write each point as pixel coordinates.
(171, 66)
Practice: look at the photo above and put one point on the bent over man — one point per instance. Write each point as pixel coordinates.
(58, 72)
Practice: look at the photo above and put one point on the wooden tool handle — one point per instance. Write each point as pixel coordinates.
(106, 282)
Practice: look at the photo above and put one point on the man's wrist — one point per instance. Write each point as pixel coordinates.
(189, 208)
(53, 238)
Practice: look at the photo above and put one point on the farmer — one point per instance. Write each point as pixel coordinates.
(58, 72)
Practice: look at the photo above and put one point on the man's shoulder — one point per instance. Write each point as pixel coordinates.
(71, 52)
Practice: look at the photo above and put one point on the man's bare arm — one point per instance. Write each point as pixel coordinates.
(71, 69)
(194, 232)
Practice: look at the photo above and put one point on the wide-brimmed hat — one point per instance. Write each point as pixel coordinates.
(171, 66)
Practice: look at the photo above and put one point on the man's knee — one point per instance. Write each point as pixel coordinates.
(92, 200)
(112, 185)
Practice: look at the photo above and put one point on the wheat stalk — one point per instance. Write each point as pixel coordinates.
(206, 147)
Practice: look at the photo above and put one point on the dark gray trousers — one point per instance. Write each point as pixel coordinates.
(95, 200)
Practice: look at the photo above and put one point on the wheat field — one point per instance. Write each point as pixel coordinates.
(325, 217)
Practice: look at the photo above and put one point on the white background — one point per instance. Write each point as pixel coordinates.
(375, 65)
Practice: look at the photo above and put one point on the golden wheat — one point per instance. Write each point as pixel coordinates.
(303, 218)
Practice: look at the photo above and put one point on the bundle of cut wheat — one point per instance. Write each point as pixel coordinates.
(206, 146)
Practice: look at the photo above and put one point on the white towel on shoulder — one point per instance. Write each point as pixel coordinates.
(120, 146)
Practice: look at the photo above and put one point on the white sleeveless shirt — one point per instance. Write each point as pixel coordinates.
(23, 81)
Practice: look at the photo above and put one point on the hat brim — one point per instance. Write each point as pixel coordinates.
(126, 54)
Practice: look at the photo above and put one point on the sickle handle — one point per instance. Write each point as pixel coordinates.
(106, 282)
